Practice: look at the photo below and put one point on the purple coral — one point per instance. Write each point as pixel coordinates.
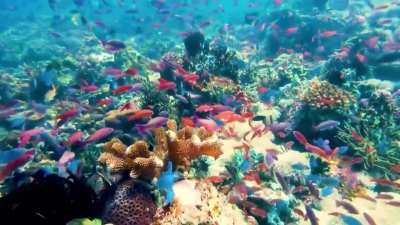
(132, 204)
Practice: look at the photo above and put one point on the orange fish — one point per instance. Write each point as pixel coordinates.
(188, 122)
(356, 136)
(144, 113)
(229, 116)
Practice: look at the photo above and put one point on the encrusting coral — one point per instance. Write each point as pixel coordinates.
(324, 95)
(179, 146)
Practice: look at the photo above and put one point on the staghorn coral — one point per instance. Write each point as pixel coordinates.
(136, 158)
(132, 204)
(324, 95)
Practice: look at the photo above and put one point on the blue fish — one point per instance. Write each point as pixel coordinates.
(16, 121)
(349, 220)
(165, 183)
(326, 191)
(9, 155)
(245, 165)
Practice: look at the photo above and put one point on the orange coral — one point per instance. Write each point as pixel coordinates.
(179, 146)
(136, 158)
(187, 144)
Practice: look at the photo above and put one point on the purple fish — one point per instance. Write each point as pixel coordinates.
(311, 215)
(276, 127)
(113, 45)
(98, 135)
(327, 125)
(153, 123)
(113, 71)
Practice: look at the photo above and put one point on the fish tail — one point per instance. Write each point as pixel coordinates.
(141, 128)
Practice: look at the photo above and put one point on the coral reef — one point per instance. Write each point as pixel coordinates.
(137, 158)
(324, 95)
(132, 204)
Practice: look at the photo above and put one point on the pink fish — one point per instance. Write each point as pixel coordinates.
(66, 157)
(89, 88)
(98, 135)
(278, 2)
(153, 123)
(115, 72)
(18, 162)
(26, 136)
(372, 42)
(209, 124)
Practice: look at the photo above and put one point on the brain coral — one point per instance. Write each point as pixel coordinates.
(132, 204)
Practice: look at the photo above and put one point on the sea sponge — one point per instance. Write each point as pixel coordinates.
(137, 158)
(132, 204)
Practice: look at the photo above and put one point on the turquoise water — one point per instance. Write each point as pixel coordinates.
(144, 112)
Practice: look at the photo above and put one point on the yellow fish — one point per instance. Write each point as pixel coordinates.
(50, 94)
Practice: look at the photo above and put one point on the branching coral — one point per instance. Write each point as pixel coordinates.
(179, 146)
(136, 158)
(186, 144)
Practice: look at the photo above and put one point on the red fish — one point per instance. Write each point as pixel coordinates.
(262, 90)
(385, 182)
(99, 134)
(104, 101)
(68, 114)
(356, 136)
(122, 89)
(258, 212)
(291, 30)
(14, 164)
(300, 137)
(327, 34)
(144, 113)
(77, 136)
(165, 85)
(215, 179)
(204, 108)
(132, 72)
(89, 88)
(395, 168)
